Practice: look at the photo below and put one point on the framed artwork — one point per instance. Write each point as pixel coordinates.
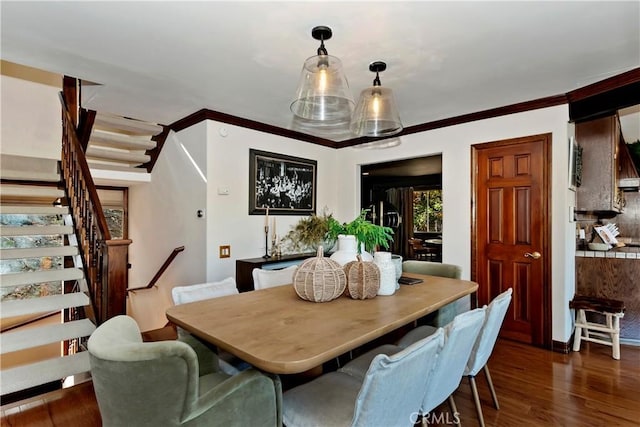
(284, 184)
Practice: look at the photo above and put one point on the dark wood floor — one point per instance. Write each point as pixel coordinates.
(535, 388)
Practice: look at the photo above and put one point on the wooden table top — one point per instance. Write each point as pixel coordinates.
(276, 331)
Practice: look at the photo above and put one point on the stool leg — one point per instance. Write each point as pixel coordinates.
(615, 337)
(577, 336)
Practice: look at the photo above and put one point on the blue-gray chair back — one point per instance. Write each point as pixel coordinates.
(484, 347)
(460, 337)
(388, 393)
(489, 333)
(394, 386)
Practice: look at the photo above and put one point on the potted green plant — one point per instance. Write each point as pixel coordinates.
(367, 233)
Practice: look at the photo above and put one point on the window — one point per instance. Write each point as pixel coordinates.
(114, 205)
(427, 211)
(23, 265)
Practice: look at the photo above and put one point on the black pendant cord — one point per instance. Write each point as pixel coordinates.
(376, 67)
(376, 81)
(322, 50)
(321, 33)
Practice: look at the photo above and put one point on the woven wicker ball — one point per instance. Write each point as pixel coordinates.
(363, 279)
(319, 279)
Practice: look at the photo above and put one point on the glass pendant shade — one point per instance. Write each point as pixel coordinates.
(376, 114)
(323, 91)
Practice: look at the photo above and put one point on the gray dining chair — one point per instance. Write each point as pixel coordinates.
(459, 339)
(203, 291)
(263, 279)
(444, 315)
(172, 383)
(389, 394)
(483, 348)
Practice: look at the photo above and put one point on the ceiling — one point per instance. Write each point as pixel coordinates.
(162, 61)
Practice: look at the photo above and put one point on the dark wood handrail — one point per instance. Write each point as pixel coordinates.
(73, 144)
(161, 270)
(104, 258)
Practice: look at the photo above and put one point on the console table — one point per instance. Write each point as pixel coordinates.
(244, 267)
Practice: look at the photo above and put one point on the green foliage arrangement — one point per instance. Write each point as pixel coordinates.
(309, 233)
(366, 232)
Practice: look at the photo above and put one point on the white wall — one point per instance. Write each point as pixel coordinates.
(30, 117)
(163, 213)
(454, 143)
(163, 216)
(228, 220)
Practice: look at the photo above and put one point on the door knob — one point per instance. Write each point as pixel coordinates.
(534, 255)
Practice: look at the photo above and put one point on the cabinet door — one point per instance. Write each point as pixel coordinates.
(599, 141)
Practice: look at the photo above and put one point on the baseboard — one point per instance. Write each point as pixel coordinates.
(562, 347)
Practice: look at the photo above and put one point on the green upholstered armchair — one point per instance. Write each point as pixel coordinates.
(171, 383)
(446, 314)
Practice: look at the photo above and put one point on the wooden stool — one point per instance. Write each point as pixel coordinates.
(607, 333)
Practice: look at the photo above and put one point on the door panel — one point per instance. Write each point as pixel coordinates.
(511, 220)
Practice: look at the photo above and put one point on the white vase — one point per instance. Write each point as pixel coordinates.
(387, 268)
(348, 250)
(397, 262)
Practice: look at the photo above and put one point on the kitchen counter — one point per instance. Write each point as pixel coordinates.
(613, 275)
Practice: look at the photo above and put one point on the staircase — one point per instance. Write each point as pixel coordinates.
(43, 303)
(61, 273)
(121, 144)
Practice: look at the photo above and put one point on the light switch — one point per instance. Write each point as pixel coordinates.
(225, 251)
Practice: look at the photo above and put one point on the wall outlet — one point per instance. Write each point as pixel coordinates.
(225, 251)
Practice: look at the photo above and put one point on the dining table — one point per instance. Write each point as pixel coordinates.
(278, 332)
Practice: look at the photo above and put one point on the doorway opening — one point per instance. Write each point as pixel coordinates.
(406, 195)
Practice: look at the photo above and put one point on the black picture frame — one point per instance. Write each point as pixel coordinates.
(285, 184)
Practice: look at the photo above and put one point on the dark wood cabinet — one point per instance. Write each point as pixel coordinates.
(244, 267)
(599, 191)
(613, 278)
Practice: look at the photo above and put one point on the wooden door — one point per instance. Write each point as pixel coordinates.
(511, 232)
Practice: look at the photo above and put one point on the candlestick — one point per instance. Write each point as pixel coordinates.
(273, 229)
(266, 242)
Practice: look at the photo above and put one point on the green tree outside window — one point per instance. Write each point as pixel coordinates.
(427, 211)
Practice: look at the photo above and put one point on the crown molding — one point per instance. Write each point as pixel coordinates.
(611, 91)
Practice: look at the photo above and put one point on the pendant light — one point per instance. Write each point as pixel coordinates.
(323, 91)
(376, 114)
